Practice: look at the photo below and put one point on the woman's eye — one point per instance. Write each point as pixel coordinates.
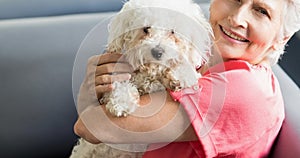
(263, 11)
(239, 1)
(146, 30)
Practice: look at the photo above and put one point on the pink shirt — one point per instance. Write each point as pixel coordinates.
(236, 111)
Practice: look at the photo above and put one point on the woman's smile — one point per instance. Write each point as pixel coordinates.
(233, 35)
(246, 30)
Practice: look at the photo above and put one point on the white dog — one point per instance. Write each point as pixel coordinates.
(165, 42)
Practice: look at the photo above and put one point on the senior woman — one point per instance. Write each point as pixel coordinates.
(237, 111)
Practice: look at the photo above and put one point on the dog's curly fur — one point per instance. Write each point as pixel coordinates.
(158, 47)
(161, 51)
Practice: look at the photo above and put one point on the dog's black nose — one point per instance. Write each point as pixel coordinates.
(157, 52)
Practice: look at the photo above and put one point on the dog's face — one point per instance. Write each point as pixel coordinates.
(156, 45)
(153, 31)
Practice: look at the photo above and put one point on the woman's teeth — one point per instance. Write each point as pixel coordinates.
(233, 36)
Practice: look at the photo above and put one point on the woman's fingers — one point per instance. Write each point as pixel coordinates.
(107, 64)
(106, 58)
(101, 89)
(112, 68)
(108, 79)
(111, 58)
(103, 83)
(103, 70)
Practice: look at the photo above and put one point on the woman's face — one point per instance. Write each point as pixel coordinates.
(246, 29)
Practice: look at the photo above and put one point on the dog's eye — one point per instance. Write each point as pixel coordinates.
(146, 30)
(172, 32)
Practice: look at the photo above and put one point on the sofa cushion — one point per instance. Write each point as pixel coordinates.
(37, 8)
(37, 109)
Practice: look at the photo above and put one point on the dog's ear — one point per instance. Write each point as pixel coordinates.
(125, 41)
(119, 25)
(116, 45)
(118, 29)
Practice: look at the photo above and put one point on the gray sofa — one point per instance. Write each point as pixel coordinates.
(42, 63)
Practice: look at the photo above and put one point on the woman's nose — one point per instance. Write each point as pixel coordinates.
(239, 17)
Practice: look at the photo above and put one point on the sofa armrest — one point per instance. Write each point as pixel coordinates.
(288, 141)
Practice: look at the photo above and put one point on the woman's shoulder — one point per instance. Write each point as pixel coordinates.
(241, 71)
(241, 75)
(247, 86)
(236, 65)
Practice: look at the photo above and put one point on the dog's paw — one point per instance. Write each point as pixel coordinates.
(123, 100)
(121, 109)
(117, 109)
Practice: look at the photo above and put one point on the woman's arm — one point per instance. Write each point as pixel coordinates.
(159, 118)
(167, 122)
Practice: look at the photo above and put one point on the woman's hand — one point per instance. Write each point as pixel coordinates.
(102, 71)
(106, 69)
